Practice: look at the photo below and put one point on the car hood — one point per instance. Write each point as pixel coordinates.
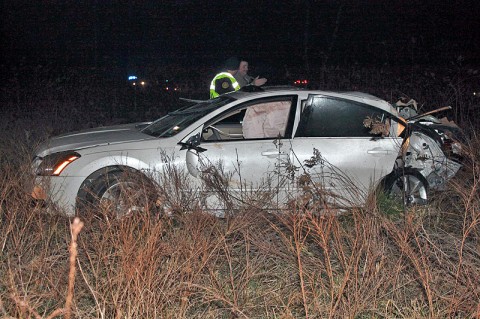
(94, 137)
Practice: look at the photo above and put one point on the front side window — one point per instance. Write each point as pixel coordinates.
(263, 119)
(331, 117)
(266, 120)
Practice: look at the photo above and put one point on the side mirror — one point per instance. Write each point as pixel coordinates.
(192, 143)
(192, 162)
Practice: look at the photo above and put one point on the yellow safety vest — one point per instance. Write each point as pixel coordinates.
(219, 76)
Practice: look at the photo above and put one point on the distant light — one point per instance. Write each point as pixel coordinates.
(475, 93)
(301, 82)
(166, 80)
(142, 83)
(132, 77)
(134, 83)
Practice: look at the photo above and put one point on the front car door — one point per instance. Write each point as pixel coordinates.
(242, 151)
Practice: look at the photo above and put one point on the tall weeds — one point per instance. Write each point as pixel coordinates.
(306, 262)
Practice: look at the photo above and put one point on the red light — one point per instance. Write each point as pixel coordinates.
(300, 82)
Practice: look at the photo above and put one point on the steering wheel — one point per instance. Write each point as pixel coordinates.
(215, 133)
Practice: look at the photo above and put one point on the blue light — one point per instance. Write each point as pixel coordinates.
(132, 77)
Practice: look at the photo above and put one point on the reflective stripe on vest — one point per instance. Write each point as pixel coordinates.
(213, 93)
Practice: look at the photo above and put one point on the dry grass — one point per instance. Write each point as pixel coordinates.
(421, 263)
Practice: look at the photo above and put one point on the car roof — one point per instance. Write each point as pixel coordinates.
(356, 96)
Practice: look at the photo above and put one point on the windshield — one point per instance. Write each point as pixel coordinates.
(175, 122)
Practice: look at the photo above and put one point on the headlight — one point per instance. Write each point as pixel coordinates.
(54, 164)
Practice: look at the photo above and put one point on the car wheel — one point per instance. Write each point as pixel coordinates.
(119, 193)
(407, 186)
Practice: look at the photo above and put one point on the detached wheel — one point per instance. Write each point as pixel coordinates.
(119, 193)
(407, 186)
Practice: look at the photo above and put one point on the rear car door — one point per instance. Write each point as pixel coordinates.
(344, 146)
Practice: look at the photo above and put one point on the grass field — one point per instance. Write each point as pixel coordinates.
(368, 262)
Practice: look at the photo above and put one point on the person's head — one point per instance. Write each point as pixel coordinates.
(232, 64)
(243, 67)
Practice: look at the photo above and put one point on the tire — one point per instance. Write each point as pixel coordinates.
(406, 186)
(119, 193)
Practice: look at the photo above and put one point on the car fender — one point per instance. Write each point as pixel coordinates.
(107, 161)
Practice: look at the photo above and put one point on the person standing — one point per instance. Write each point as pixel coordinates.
(225, 81)
(243, 78)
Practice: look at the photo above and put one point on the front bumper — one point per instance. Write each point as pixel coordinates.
(58, 191)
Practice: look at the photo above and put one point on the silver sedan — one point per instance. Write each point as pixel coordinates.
(265, 141)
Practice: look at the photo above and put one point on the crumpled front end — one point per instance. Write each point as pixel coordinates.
(423, 153)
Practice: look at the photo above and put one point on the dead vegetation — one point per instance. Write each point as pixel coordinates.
(423, 262)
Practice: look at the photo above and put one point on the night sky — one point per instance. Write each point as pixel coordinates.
(125, 34)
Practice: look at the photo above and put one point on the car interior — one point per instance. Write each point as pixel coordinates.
(255, 121)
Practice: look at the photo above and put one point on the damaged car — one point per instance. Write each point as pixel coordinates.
(265, 141)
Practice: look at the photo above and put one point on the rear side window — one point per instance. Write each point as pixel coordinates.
(329, 117)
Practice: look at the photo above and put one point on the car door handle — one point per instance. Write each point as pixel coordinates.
(379, 151)
(273, 153)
